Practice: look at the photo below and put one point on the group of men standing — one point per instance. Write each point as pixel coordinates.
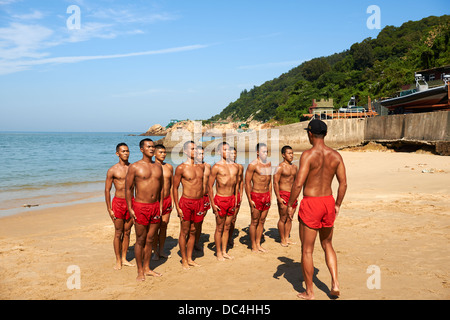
(146, 191)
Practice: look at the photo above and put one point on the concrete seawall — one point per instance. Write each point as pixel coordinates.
(431, 129)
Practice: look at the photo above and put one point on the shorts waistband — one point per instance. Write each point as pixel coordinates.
(322, 197)
(146, 204)
(224, 197)
(259, 192)
(191, 199)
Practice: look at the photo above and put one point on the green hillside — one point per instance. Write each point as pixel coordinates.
(374, 67)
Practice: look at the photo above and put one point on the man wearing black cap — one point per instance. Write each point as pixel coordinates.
(318, 209)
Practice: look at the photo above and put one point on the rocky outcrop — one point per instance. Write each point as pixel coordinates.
(156, 130)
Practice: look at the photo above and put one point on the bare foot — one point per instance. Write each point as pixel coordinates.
(185, 264)
(153, 273)
(127, 264)
(284, 244)
(118, 266)
(140, 277)
(220, 258)
(306, 296)
(227, 256)
(262, 249)
(335, 292)
(192, 263)
(291, 242)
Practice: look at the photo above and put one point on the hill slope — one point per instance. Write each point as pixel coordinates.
(374, 67)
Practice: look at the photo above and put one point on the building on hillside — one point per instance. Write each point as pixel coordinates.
(321, 106)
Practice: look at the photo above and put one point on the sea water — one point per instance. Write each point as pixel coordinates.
(42, 168)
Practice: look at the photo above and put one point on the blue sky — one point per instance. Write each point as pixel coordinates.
(132, 64)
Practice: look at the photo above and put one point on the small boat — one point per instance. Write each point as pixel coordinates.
(421, 99)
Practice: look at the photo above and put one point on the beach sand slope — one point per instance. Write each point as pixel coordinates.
(391, 239)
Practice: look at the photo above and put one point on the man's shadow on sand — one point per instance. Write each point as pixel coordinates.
(292, 272)
(271, 233)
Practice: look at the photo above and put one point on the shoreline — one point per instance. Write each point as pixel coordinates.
(396, 218)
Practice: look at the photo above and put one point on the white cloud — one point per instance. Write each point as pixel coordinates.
(24, 44)
(4, 2)
(125, 16)
(23, 41)
(7, 67)
(35, 15)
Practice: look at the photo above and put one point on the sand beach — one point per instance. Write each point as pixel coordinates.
(395, 220)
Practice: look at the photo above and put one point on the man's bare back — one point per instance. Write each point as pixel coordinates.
(318, 209)
(322, 164)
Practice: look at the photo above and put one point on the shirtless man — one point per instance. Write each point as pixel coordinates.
(240, 188)
(118, 210)
(225, 175)
(160, 156)
(147, 179)
(282, 185)
(206, 204)
(258, 187)
(318, 209)
(190, 205)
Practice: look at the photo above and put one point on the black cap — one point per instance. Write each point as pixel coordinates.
(317, 126)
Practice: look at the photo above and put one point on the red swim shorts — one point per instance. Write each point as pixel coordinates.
(261, 200)
(120, 209)
(206, 204)
(147, 213)
(192, 209)
(167, 205)
(285, 195)
(226, 205)
(317, 212)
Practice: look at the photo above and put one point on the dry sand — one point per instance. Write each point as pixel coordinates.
(394, 216)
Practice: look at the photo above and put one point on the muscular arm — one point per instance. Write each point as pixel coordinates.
(212, 179)
(342, 179)
(276, 185)
(300, 178)
(248, 183)
(108, 186)
(161, 196)
(270, 187)
(129, 184)
(175, 185)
